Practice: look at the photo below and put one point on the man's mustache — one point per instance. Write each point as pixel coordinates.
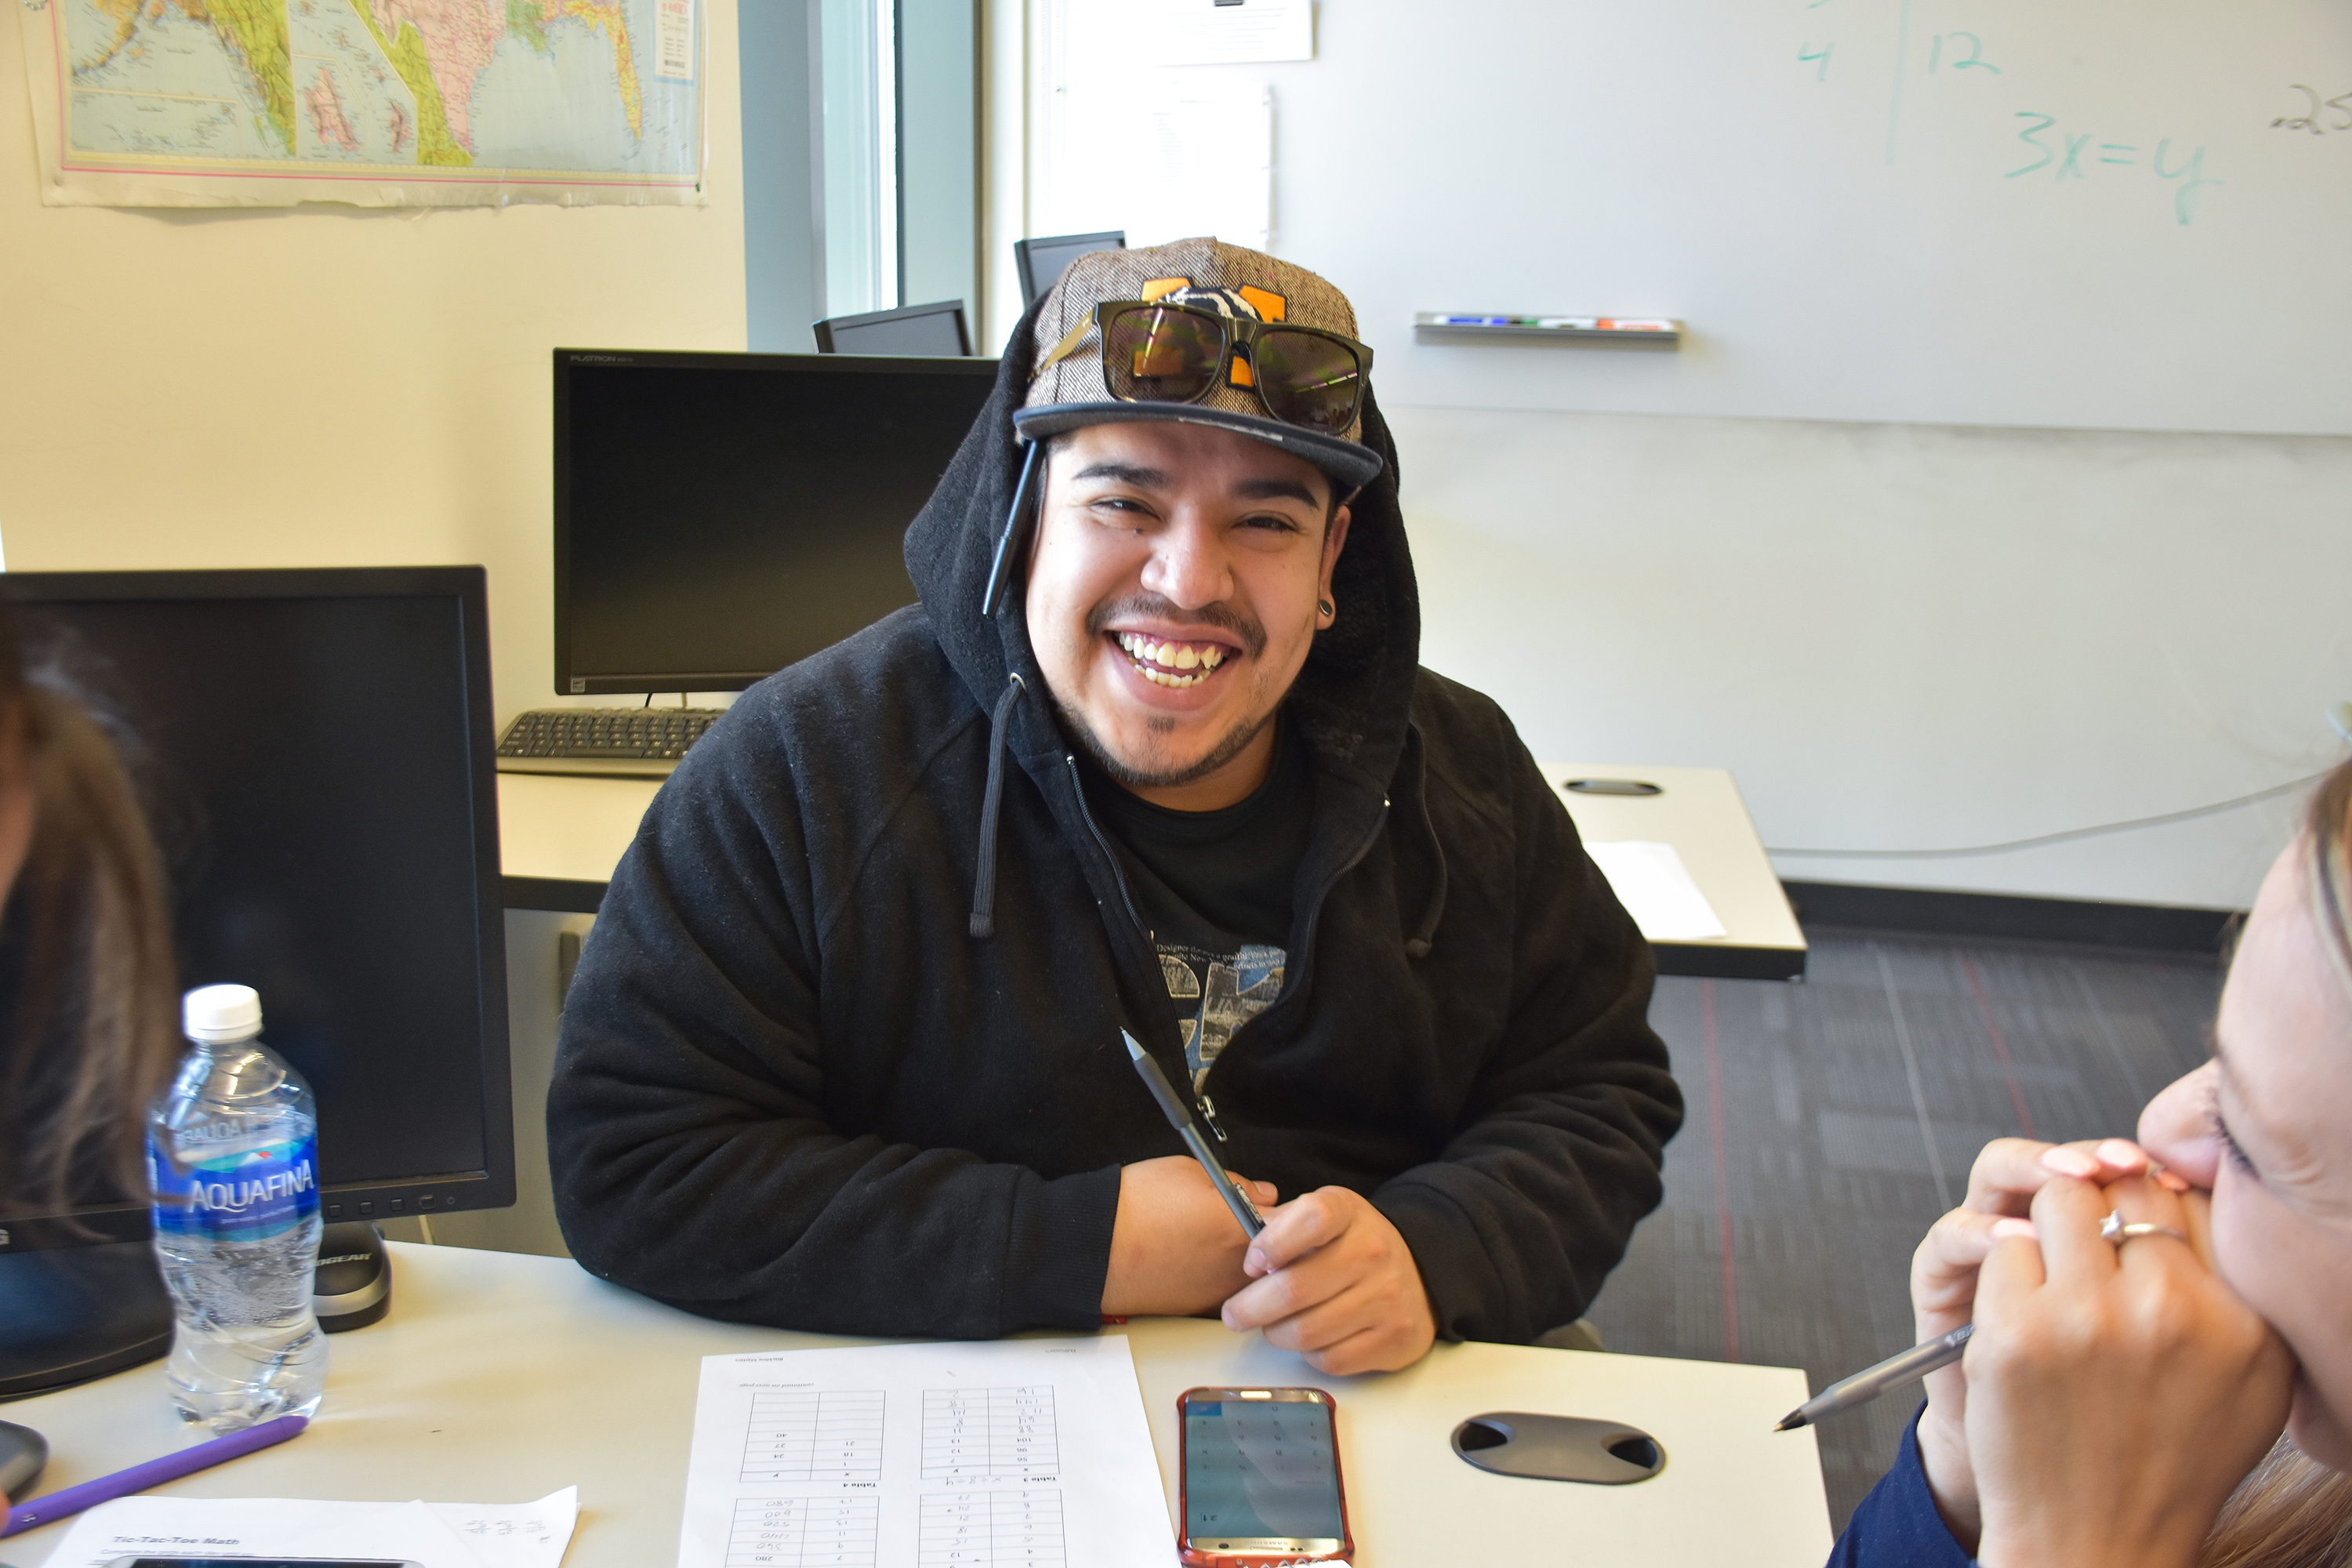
(1222, 617)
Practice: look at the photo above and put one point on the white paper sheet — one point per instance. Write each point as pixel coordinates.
(1229, 32)
(1214, 172)
(1007, 1454)
(515, 1534)
(1650, 881)
(435, 1535)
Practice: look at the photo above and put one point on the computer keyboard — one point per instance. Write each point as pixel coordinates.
(644, 742)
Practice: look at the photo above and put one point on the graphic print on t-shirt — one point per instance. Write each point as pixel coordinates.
(1217, 993)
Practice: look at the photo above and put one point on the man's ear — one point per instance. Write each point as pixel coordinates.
(1335, 538)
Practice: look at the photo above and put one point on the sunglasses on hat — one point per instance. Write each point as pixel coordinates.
(1161, 352)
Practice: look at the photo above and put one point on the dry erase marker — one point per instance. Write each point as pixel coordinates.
(1870, 1382)
(41, 1510)
(1181, 1119)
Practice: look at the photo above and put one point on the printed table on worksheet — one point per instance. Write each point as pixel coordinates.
(799, 1435)
(1018, 1529)
(1009, 1454)
(975, 1434)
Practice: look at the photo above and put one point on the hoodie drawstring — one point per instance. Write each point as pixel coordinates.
(1418, 944)
(983, 893)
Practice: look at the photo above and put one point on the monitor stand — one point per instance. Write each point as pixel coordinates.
(74, 1313)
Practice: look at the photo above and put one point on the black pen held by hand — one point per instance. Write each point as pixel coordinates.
(1870, 1382)
(1181, 1119)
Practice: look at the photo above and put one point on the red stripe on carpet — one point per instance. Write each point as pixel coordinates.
(2000, 1045)
(1722, 1178)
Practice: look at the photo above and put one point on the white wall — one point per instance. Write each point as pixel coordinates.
(329, 386)
(1908, 636)
(1896, 634)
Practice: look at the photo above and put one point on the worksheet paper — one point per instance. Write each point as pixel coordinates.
(1656, 889)
(1002, 1454)
(433, 1534)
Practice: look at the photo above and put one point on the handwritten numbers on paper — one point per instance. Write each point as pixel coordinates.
(1823, 55)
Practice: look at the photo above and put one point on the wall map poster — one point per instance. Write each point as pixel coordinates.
(373, 102)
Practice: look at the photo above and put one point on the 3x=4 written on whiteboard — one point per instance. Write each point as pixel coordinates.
(2058, 147)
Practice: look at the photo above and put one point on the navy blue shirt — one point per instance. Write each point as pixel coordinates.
(1898, 1525)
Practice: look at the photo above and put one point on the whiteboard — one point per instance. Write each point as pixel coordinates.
(2105, 214)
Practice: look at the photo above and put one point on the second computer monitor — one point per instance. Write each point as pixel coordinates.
(718, 516)
(1041, 262)
(935, 331)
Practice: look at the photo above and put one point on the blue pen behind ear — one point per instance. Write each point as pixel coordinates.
(1014, 543)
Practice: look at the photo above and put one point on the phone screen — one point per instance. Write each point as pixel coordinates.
(1260, 1468)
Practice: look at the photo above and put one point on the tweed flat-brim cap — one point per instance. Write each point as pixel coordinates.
(1073, 392)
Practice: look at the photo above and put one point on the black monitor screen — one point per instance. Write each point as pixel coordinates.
(312, 748)
(927, 329)
(1049, 258)
(720, 516)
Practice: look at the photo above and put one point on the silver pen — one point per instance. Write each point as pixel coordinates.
(1181, 1119)
(1870, 1382)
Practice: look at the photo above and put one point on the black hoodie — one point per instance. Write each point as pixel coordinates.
(843, 1051)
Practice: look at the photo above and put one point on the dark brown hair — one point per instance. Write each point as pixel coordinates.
(91, 1036)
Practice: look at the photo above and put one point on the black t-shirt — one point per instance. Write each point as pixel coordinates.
(1215, 887)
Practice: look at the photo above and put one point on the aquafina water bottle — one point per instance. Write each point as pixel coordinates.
(233, 1147)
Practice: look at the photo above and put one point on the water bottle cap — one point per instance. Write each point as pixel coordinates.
(219, 1014)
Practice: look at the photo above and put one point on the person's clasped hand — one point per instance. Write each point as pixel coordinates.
(1333, 1279)
(2059, 1437)
(2118, 1391)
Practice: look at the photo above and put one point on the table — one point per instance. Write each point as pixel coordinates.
(500, 1378)
(561, 838)
(1700, 813)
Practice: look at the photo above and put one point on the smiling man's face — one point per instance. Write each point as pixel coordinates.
(1172, 599)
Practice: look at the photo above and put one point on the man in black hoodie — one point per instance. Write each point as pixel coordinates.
(1154, 752)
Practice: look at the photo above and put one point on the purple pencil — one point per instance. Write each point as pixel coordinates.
(153, 1473)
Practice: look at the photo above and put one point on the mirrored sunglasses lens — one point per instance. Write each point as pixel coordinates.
(1159, 356)
(1307, 380)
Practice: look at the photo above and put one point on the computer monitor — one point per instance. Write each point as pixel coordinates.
(935, 331)
(314, 752)
(1041, 262)
(720, 516)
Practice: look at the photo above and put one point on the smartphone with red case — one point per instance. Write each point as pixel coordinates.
(1259, 1478)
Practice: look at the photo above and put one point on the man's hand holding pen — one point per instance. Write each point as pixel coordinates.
(1334, 1280)
(1328, 1277)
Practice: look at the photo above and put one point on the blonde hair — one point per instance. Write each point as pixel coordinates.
(2292, 1511)
(2327, 866)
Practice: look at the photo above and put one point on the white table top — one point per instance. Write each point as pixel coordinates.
(1700, 813)
(500, 1378)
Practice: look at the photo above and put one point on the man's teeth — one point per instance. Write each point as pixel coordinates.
(1161, 661)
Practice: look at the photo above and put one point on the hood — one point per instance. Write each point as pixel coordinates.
(1351, 699)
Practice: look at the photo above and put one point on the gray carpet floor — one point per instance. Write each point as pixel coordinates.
(1830, 1122)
